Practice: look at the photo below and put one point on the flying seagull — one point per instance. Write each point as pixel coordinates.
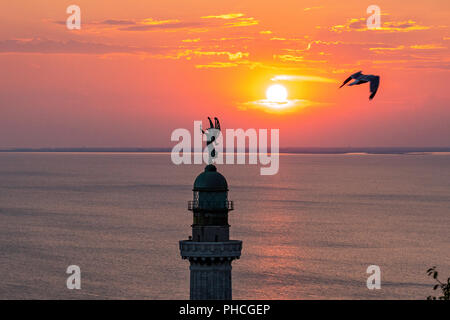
(363, 78)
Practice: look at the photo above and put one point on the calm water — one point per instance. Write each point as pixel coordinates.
(309, 232)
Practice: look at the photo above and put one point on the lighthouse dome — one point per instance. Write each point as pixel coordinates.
(210, 180)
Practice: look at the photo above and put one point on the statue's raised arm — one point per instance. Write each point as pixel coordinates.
(212, 133)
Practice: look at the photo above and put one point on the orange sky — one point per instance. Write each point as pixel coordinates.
(139, 69)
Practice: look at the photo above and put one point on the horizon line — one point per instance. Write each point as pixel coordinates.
(295, 150)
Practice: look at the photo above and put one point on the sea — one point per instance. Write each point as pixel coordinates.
(309, 232)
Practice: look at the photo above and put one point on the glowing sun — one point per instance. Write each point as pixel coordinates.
(276, 93)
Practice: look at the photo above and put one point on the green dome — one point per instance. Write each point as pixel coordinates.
(210, 180)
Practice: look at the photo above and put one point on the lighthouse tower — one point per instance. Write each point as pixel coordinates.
(210, 250)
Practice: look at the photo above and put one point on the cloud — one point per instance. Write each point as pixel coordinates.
(237, 59)
(116, 22)
(443, 66)
(191, 53)
(216, 65)
(191, 40)
(239, 19)
(161, 25)
(303, 78)
(431, 46)
(428, 46)
(231, 56)
(288, 57)
(233, 39)
(402, 64)
(293, 58)
(243, 22)
(403, 26)
(359, 24)
(287, 106)
(147, 24)
(312, 8)
(397, 48)
(46, 46)
(321, 44)
(226, 16)
(153, 22)
(110, 22)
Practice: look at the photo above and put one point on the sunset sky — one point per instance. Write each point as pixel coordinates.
(138, 69)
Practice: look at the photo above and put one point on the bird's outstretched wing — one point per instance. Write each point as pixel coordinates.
(374, 83)
(356, 75)
(346, 80)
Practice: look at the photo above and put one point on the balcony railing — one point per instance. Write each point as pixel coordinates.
(229, 250)
(210, 205)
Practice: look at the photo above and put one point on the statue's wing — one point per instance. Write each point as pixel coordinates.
(210, 123)
(217, 123)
